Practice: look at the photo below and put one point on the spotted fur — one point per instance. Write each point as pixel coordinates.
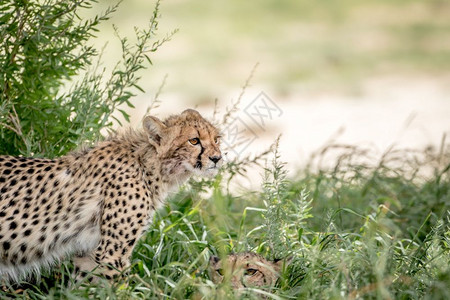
(96, 203)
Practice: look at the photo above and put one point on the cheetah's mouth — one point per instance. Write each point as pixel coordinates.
(210, 171)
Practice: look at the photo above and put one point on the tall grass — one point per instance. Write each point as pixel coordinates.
(349, 230)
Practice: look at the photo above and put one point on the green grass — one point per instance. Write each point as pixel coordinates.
(360, 228)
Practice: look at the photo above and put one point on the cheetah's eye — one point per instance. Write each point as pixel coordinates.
(217, 139)
(220, 272)
(250, 272)
(194, 141)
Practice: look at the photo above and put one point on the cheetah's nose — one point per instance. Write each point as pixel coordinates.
(215, 159)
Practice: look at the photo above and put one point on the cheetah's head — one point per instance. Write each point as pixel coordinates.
(186, 143)
(246, 269)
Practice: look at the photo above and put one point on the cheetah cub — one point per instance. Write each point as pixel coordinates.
(96, 203)
(245, 270)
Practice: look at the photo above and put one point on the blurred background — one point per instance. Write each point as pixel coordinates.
(373, 73)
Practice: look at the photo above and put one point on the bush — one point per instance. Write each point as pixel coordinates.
(53, 94)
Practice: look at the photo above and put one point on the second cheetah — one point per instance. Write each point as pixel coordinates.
(246, 269)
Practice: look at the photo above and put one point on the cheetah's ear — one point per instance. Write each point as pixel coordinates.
(280, 264)
(154, 128)
(213, 260)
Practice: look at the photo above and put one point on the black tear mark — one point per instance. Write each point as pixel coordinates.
(198, 164)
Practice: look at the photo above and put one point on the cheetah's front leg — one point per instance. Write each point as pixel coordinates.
(119, 234)
(105, 261)
(84, 265)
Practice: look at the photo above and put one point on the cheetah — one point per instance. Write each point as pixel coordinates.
(245, 270)
(95, 203)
